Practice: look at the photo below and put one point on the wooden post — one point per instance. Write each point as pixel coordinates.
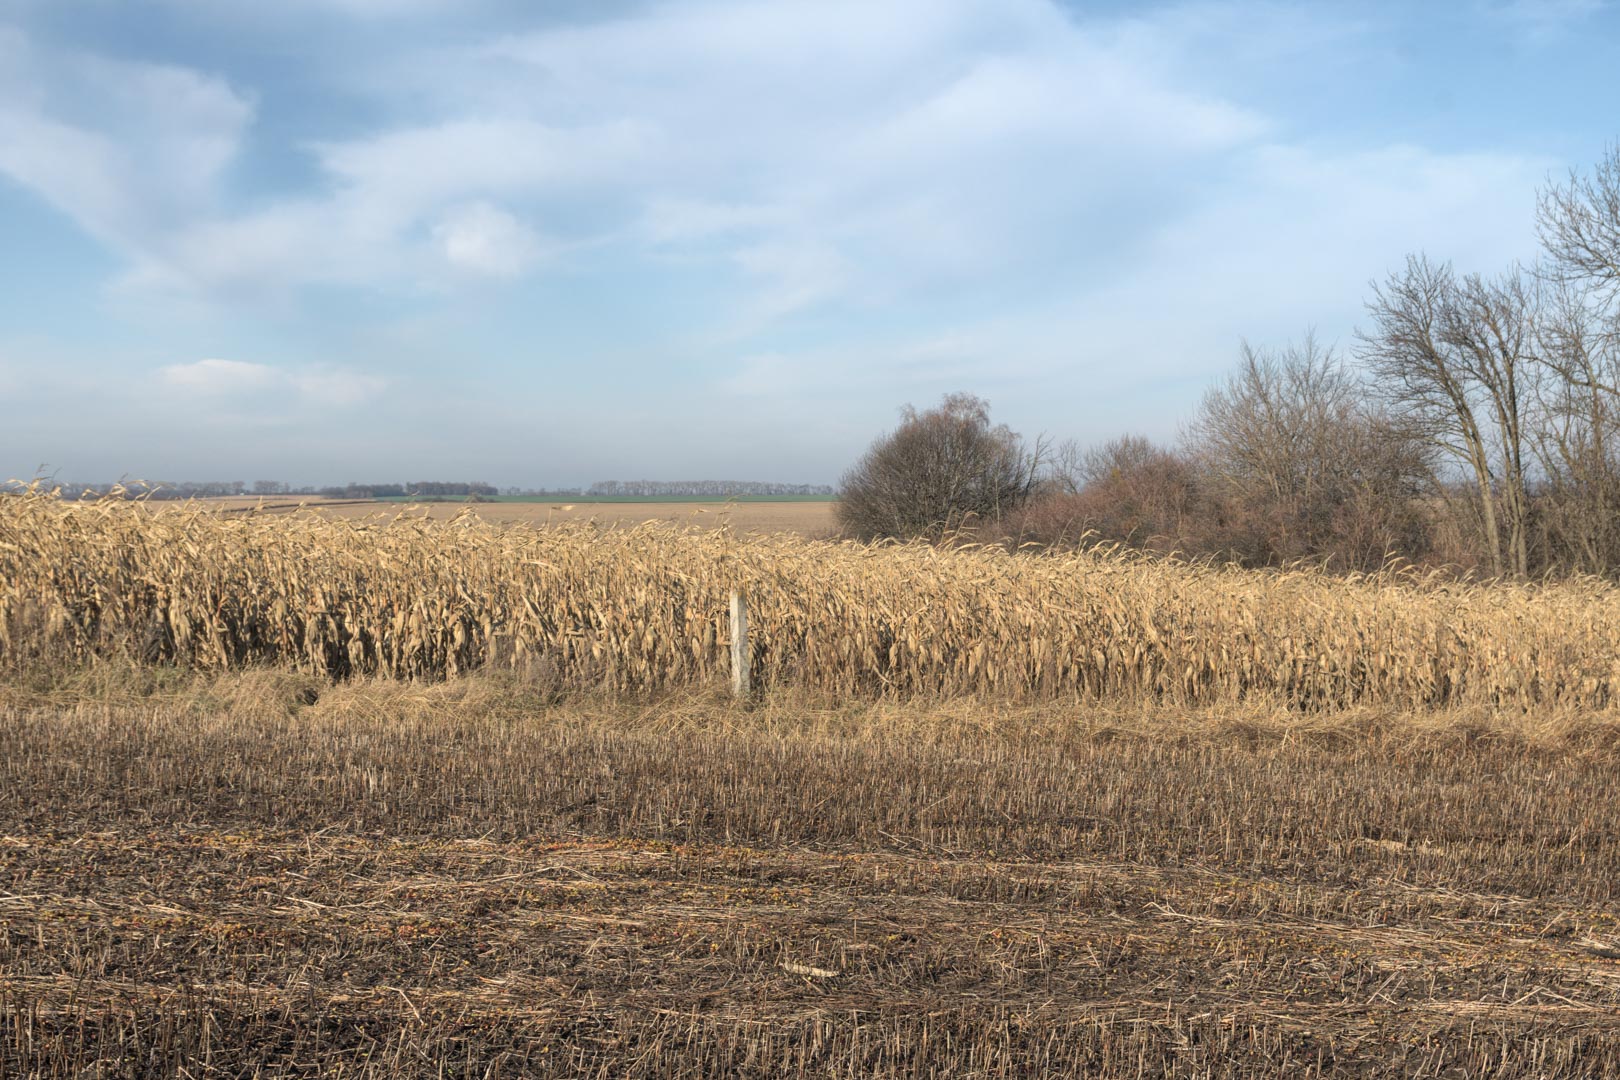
(741, 655)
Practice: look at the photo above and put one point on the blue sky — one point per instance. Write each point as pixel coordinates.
(548, 243)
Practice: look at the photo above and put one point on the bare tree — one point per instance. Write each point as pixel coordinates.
(1142, 493)
(1066, 472)
(940, 469)
(1579, 443)
(1579, 223)
(1128, 490)
(1297, 464)
(1457, 357)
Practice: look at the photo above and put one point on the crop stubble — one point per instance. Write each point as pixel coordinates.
(392, 877)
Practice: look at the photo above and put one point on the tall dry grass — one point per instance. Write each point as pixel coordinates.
(644, 610)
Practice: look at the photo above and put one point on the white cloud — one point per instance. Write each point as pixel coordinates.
(271, 251)
(1288, 241)
(952, 136)
(1299, 232)
(953, 132)
(130, 150)
(484, 239)
(242, 383)
(218, 378)
(415, 167)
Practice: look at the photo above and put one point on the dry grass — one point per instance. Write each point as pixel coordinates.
(643, 610)
(265, 874)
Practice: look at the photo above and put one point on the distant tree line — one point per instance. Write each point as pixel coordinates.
(157, 490)
(214, 489)
(705, 488)
(440, 489)
(1474, 423)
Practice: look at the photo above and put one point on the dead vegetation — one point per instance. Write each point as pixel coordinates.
(266, 874)
(990, 815)
(643, 611)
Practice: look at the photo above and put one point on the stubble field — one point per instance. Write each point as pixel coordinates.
(222, 855)
(266, 875)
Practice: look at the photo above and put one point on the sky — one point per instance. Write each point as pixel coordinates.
(547, 243)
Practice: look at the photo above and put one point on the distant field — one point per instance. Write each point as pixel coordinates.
(801, 516)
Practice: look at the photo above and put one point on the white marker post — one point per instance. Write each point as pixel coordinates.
(741, 655)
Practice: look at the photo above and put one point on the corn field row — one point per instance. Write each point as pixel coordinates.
(645, 609)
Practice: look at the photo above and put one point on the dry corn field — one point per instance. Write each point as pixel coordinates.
(644, 610)
(291, 796)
